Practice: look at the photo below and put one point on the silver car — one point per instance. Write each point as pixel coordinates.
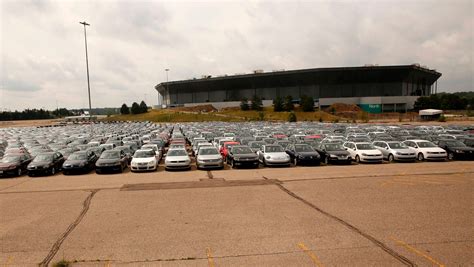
(209, 157)
(393, 150)
(177, 159)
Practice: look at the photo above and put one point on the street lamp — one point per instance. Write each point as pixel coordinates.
(87, 66)
(168, 87)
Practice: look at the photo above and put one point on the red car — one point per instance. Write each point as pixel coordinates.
(14, 164)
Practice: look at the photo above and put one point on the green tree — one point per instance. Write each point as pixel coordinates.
(278, 104)
(135, 108)
(143, 107)
(256, 103)
(124, 109)
(288, 104)
(244, 104)
(292, 117)
(307, 103)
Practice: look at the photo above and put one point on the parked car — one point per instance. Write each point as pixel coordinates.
(14, 164)
(426, 150)
(80, 161)
(209, 157)
(457, 149)
(224, 150)
(45, 163)
(273, 155)
(364, 152)
(177, 159)
(334, 153)
(240, 156)
(395, 151)
(144, 160)
(111, 160)
(303, 154)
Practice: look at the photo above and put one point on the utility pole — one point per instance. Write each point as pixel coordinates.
(87, 67)
(168, 87)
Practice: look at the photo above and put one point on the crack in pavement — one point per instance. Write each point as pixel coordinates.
(72, 226)
(5, 188)
(209, 174)
(351, 227)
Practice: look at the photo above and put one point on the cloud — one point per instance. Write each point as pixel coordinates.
(131, 43)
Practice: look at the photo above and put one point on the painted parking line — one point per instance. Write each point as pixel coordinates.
(417, 252)
(210, 259)
(310, 253)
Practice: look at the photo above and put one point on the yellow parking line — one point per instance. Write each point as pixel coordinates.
(416, 251)
(209, 257)
(313, 257)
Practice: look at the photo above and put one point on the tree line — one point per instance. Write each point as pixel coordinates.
(135, 109)
(446, 101)
(34, 114)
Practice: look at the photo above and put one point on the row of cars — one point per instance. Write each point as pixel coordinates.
(141, 146)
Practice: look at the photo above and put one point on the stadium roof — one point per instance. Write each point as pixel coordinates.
(368, 73)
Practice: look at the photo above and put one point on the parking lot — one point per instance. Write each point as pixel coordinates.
(398, 214)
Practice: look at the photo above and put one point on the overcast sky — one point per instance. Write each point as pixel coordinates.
(131, 43)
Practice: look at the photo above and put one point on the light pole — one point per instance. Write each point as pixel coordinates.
(87, 66)
(167, 87)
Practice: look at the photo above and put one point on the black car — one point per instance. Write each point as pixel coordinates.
(14, 164)
(47, 163)
(303, 154)
(111, 160)
(240, 156)
(334, 153)
(457, 149)
(81, 161)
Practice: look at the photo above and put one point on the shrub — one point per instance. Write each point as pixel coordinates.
(307, 103)
(256, 103)
(143, 107)
(244, 104)
(288, 105)
(135, 108)
(124, 109)
(442, 118)
(292, 117)
(278, 104)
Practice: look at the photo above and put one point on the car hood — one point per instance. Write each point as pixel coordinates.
(39, 164)
(206, 157)
(308, 154)
(101, 161)
(338, 153)
(403, 150)
(75, 162)
(249, 155)
(143, 160)
(7, 165)
(432, 149)
(176, 158)
(371, 151)
(276, 154)
(462, 148)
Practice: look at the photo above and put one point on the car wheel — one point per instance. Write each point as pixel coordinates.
(450, 155)
(53, 171)
(357, 159)
(420, 157)
(19, 172)
(390, 158)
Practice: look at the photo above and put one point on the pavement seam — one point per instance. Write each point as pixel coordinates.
(60, 190)
(5, 188)
(72, 226)
(351, 227)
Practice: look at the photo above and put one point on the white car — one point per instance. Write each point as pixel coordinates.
(394, 150)
(273, 155)
(144, 160)
(426, 150)
(363, 152)
(155, 148)
(177, 159)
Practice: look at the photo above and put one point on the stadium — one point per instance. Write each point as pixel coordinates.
(374, 88)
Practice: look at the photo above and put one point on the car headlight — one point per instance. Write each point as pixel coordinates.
(236, 158)
(398, 153)
(459, 151)
(363, 154)
(268, 157)
(332, 156)
(152, 163)
(82, 164)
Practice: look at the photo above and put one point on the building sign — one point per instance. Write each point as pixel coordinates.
(371, 108)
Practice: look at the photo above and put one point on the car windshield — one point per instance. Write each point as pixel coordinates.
(110, 155)
(241, 150)
(273, 149)
(256, 145)
(426, 144)
(365, 146)
(78, 156)
(43, 157)
(177, 152)
(144, 154)
(396, 145)
(208, 151)
(11, 159)
(305, 148)
(334, 147)
(455, 144)
(150, 147)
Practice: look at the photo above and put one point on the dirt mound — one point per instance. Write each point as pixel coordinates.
(201, 108)
(342, 108)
